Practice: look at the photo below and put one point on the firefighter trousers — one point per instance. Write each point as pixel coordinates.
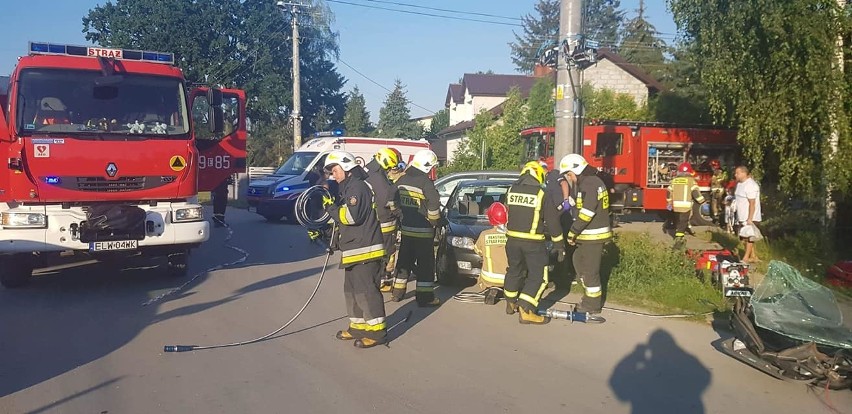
(364, 301)
(389, 243)
(416, 255)
(587, 264)
(527, 275)
(681, 224)
(220, 203)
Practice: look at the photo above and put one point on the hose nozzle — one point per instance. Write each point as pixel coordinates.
(178, 348)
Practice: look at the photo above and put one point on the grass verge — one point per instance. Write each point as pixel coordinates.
(643, 272)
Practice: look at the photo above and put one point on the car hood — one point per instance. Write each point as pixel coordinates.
(467, 227)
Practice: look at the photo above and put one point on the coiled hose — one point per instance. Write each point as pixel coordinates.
(303, 208)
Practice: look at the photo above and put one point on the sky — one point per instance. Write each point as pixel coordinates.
(425, 53)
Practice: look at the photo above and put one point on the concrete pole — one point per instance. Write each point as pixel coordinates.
(297, 91)
(568, 82)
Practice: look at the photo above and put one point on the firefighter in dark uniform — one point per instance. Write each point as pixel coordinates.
(386, 203)
(591, 229)
(529, 212)
(220, 201)
(420, 205)
(360, 244)
(681, 193)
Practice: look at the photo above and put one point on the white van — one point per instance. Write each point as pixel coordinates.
(274, 196)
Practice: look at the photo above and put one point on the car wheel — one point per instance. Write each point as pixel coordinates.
(446, 276)
(272, 218)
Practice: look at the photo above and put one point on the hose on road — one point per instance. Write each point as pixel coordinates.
(186, 348)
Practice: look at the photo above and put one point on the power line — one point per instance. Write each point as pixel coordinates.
(426, 14)
(445, 10)
(431, 112)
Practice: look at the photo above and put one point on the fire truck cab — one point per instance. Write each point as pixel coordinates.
(98, 156)
(641, 158)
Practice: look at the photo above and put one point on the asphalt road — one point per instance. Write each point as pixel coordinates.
(78, 341)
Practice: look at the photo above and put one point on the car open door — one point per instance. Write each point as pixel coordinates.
(221, 154)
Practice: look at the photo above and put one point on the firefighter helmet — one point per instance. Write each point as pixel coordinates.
(685, 167)
(388, 158)
(424, 160)
(574, 163)
(497, 214)
(345, 160)
(534, 169)
(715, 164)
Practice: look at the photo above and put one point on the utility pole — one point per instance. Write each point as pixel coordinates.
(568, 106)
(297, 87)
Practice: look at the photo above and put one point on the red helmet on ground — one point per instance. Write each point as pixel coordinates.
(497, 214)
(685, 167)
(715, 164)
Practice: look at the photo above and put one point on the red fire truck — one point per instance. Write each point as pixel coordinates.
(642, 157)
(101, 155)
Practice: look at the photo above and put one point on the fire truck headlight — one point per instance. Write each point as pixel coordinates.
(183, 215)
(23, 220)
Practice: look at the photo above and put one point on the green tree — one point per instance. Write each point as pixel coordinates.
(609, 105)
(602, 21)
(357, 118)
(541, 103)
(440, 121)
(641, 44)
(322, 120)
(498, 137)
(770, 68)
(395, 116)
(227, 42)
(539, 29)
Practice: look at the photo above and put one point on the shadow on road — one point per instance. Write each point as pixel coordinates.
(660, 377)
(71, 317)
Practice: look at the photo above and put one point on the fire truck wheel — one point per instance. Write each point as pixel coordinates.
(16, 270)
(178, 264)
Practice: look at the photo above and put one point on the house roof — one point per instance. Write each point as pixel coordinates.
(466, 125)
(635, 71)
(480, 84)
(456, 93)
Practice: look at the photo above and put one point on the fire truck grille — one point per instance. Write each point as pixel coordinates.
(118, 185)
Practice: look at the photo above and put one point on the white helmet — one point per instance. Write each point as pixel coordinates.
(342, 158)
(574, 163)
(424, 160)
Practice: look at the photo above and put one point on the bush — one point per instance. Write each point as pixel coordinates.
(644, 272)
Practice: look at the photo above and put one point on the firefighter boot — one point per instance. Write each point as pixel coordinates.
(399, 286)
(511, 306)
(386, 284)
(679, 243)
(427, 300)
(528, 317)
(344, 336)
(365, 343)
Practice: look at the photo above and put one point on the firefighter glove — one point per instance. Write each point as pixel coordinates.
(314, 235)
(327, 201)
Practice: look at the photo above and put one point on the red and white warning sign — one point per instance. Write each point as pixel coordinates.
(42, 150)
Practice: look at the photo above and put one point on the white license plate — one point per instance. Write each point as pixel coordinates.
(741, 293)
(107, 246)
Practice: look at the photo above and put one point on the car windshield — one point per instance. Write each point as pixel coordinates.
(471, 201)
(85, 104)
(297, 163)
